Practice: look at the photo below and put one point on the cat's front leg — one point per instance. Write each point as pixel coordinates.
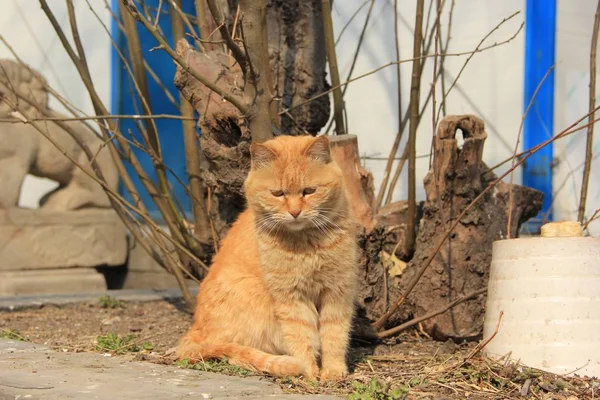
(299, 326)
(335, 320)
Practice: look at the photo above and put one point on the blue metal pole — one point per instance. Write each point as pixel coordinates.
(126, 101)
(540, 40)
(115, 62)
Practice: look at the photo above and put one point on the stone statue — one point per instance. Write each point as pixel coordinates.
(24, 150)
(56, 248)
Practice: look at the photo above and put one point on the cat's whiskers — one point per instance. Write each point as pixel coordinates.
(332, 212)
(259, 226)
(278, 220)
(323, 225)
(330, 222)
(318, 225)
(325, 229)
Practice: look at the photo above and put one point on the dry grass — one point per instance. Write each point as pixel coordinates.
(408, 367)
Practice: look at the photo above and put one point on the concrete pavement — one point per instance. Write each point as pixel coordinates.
(30, 371)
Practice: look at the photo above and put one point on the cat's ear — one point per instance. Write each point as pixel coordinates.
(319, 150)
(261, 155)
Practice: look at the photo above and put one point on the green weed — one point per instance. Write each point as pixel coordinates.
(12, 334)
(110, 302)
(218, 366)
(374, 390)
(120, 345)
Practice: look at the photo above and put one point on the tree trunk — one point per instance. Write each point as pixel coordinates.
(297, 58)
(298, 61)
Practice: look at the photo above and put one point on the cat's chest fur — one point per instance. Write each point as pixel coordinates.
(307, 273)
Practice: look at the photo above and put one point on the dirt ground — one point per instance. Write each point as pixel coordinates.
(410, 366)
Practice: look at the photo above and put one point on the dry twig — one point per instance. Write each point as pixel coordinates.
(417, 320)
(398, 139)
(201, 22)
(510, 190)
(376, 70)
(338, 106)
(192, 152)
(589, 144)
(594, 217)
(415, 91)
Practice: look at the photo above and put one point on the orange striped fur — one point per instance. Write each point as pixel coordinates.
(279, 296)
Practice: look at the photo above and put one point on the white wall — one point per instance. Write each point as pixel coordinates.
(491, 85)
(492, 80)
(574, 31)
(25, 27)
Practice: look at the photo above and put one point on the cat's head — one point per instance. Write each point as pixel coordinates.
(293, 183)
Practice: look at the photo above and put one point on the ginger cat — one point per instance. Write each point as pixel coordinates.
(280, 293)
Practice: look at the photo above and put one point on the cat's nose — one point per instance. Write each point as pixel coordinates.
(295, 213)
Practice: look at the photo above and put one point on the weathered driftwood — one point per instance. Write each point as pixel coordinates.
(458, 176)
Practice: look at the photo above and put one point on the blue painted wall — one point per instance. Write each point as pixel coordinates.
(540, 40)
(125, 101)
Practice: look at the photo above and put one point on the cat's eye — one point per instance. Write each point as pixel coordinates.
(308, 190)
(277, 193)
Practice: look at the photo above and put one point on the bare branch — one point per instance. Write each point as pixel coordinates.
(116, 200)
(176, 5)
(150, 133)
(418, 320)
(105, 117)
(349, 22)
(510, 190)
(394, 180)
(192, 153)
(170, 215)
(372, 72)
(338, 106)
(594, 217)
(237, 52)
(132, 8)
(477, 49)
(415, 91)
(201, 22)
(589, 143)
(150, 71)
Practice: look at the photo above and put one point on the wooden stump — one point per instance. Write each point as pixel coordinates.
(456, 178)
(359, 182)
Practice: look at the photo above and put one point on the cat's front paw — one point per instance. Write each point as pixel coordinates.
(311, 372)
(334, 373)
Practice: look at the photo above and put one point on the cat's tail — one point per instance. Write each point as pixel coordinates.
(242, 356)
